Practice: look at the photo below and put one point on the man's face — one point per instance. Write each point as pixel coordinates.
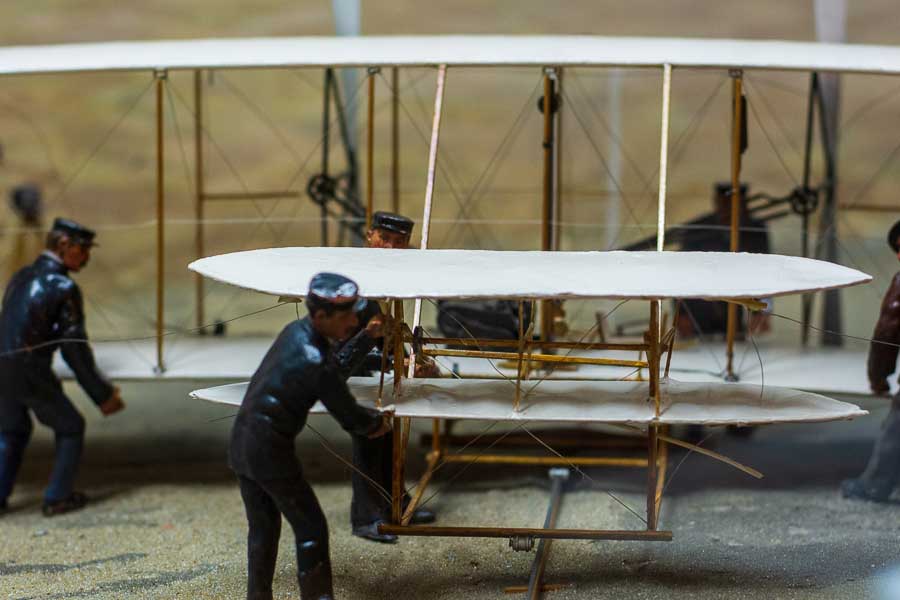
(382, 238)
(898, 246)
(74, 255)
(339, 326)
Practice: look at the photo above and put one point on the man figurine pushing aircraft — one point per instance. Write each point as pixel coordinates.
(42, 311)
(882, 473)
(373, 457)
(298, 370)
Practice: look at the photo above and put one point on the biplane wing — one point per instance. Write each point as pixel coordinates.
(452, 50)
(404, 274)
(623, 402)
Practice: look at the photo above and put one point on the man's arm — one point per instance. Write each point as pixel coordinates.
(352, 354)
(332, 390)
(76, 351)
(883, 356)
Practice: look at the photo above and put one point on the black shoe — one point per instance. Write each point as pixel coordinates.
(422, 516)
(857, 490)
(75, 501)
(315, 584)
(3, 507)
(370, 532)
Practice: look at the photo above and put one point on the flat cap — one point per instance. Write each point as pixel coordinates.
(77, 233)
(392, 222)
(335, 290)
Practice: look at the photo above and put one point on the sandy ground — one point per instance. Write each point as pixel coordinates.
(168, 521)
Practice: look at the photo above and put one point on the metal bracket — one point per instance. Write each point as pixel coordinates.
(522, 543)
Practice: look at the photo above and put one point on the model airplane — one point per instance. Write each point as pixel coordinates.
(393, 275)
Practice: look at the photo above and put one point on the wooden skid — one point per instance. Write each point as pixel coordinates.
(534, 532)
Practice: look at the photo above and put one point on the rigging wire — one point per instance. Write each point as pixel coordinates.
(600, 155)
(678, 148)
(260, 114)
(474, 193)
(583, 474)
(221, 152)
(265, 216)
(61, 195)
(441, 158)
(772, 145)
(553, 369)
(868, 107)
(620, 144)
(188, 178)
(170, 333)
(779, 124)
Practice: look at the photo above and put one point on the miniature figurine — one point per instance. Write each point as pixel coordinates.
(42, 311)
(298, 369)
(373, 457)
(882, 473)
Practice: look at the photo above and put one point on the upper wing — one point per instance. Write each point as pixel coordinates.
(517, 274)
(460, 50)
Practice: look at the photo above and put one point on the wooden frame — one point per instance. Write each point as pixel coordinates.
(653, 346)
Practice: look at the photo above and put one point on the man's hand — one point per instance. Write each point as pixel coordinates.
(426, 368)
(387, 423)
(378, 326)
(880, 388)
(760, 323)
(113, 405)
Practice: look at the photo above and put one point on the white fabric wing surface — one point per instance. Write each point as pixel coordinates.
(587, 401)
(529, 274)
(462, 50)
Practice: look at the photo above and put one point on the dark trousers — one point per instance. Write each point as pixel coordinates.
(375, 459)
(19, 392)
(265, 501)
(883, 471)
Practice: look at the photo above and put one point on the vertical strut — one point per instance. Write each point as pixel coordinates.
(737, 127)
(429, 186)
(198, 193)
(160, 218)
(395, 141)
(547, 207)
(370, 150)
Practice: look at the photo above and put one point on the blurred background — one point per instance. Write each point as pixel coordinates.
(87, 142)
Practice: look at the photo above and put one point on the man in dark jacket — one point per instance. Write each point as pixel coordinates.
(882, 473)
(42, 311)
(374, 457)
(298, 370)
